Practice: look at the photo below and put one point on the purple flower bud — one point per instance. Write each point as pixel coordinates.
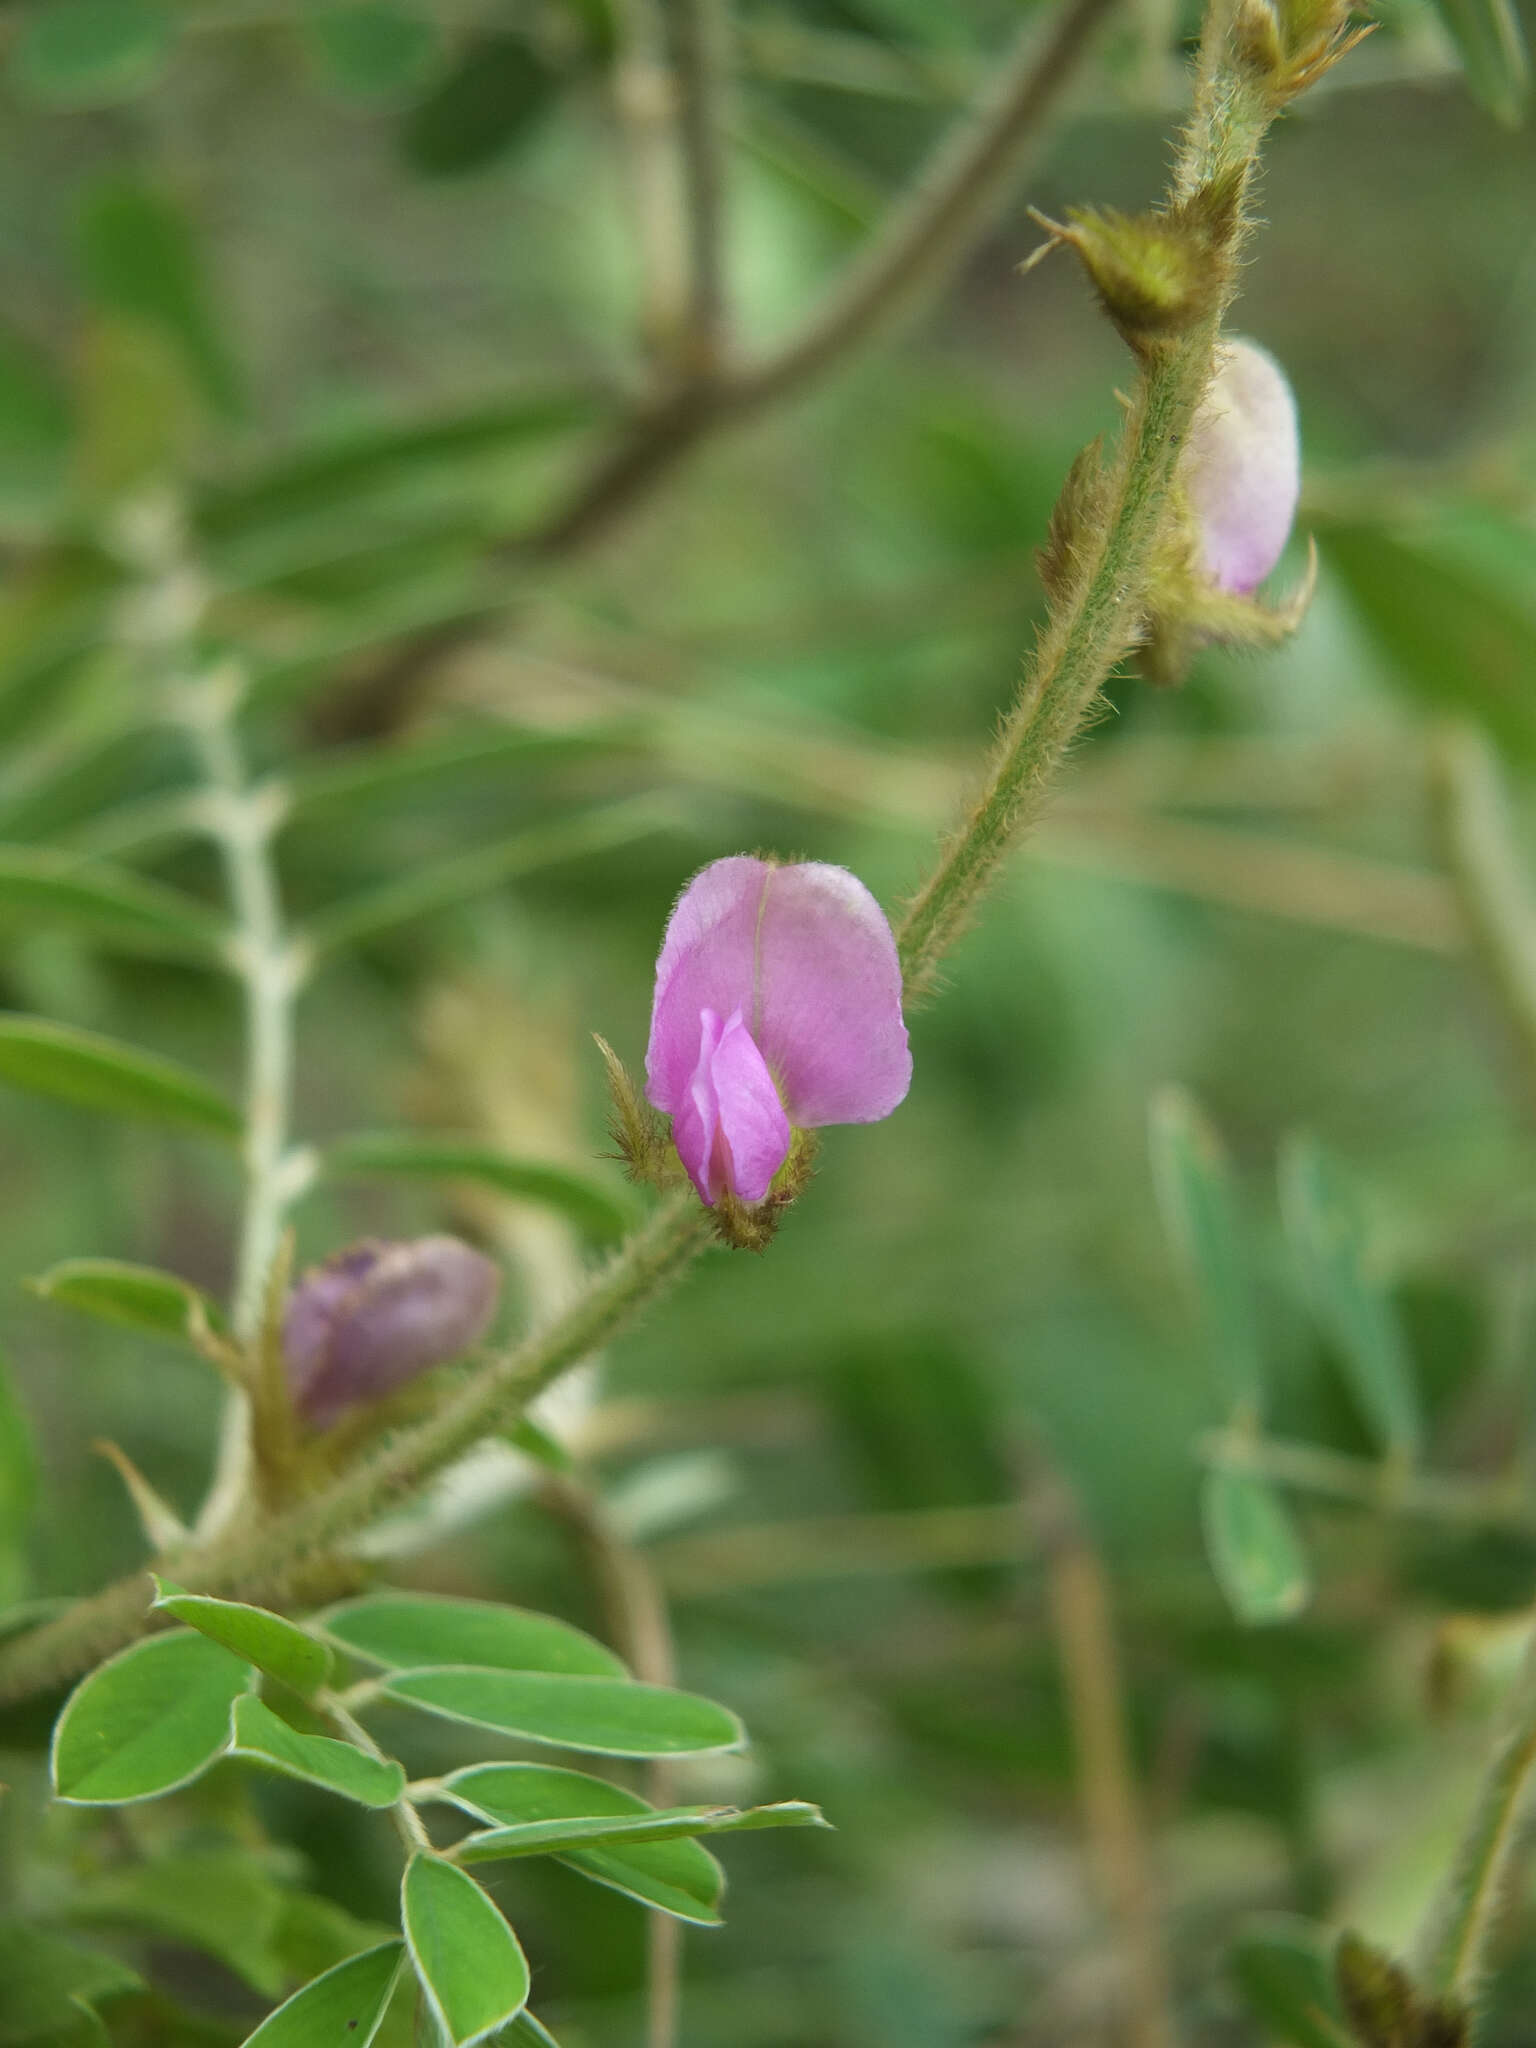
(1242, 468)
(377, 1314)
(778, 1004)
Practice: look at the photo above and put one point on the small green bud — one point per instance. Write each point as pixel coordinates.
(1157, 273)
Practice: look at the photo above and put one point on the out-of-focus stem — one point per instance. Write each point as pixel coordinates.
(1472, 819)
(926, 234)
(699, 35)
(645, 103)
(641, 1631)
(1106, 1784)
(241, 819)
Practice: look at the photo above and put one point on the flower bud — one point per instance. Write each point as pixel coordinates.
(1242, 468)
(377, 1314)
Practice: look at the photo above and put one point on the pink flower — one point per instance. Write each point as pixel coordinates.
(1242, 468)
(778, 1004)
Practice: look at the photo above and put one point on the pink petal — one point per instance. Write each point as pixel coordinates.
(1242, 470)
(706, 964)
(828, 1013)
(731, 1131)
(805, 953)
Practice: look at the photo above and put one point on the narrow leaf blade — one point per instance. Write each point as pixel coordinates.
(1284, 1969)
(1491, 46)
(151, 1719)
(467, 1958)
(606, 1717)
(345, 2006)
(141, 1297)
(665, 1824)
(408, 1630)
(1196, 1198)
(441, 885)
(113, 904)
(262, 1737)
(1253, 1547)
(94, 1072)
(1324, 1225)
(271, 1643)
(603, 1213)
(679, 1878)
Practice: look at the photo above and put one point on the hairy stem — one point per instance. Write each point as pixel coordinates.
(1450, 1953)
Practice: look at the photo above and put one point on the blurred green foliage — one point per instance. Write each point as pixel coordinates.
(358, 282)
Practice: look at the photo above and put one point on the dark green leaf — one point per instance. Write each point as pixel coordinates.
(608, 1717)
(407, 1630)
(1197, 1201)
(1460, 627)
(1284, 1969)
(140, 259)
(340, 1767)
(88, 53)
(356, 781)
(114, 905)
(604, 1213)
(441, 885)
(527, 2029)
(217, 1900)
(36, 427)
(491, 101)
(1253, 1547)
(48, 1987)
(1324, 1224)
(1491, 46)
(101, 1073)
(152, 1718)
(17, 1488)
(373, 49)
(139, 1296)
(266, 1640)
(467, 1958)
(333, 480)
(342, 2009)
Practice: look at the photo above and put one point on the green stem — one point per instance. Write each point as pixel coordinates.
(1450, 1953)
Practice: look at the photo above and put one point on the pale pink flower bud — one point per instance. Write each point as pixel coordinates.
(778, 1006)
(378, 1314)
(1242, 468)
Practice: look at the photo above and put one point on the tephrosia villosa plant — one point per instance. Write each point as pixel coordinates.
(260, 1637)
